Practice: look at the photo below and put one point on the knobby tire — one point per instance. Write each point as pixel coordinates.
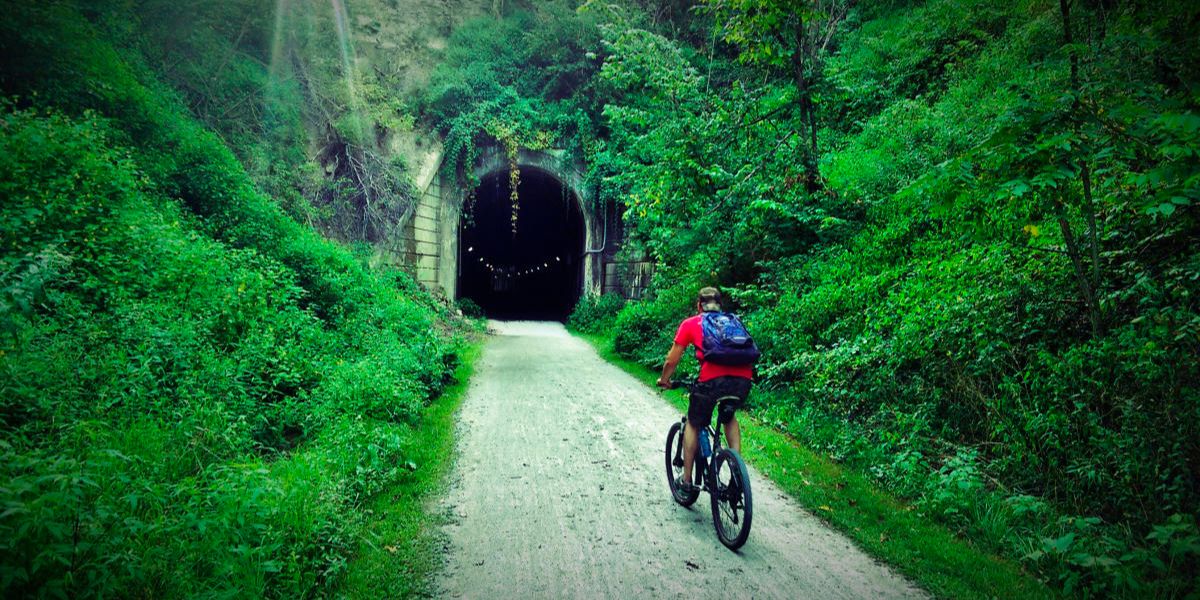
(732, 503)
(673, 451)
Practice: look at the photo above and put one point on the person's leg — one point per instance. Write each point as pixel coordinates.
(733, 434)
(736, 389)
(700, 408)
(691, 443)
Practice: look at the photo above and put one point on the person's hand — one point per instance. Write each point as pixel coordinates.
(664, 383)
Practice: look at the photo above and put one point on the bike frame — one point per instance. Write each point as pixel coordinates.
(702, 474)
(732, 505)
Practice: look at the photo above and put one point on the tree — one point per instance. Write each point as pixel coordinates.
(790, 35)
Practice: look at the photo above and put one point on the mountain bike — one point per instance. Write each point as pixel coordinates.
(717, 470)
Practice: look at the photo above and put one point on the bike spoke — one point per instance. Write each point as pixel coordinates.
(674, 464)
(731, 509)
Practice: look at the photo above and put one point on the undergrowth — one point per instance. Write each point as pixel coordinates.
(199, 394)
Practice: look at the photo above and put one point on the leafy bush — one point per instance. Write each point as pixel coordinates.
(595, 312)
(470, 308)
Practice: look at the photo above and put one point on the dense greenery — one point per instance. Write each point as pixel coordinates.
(199, 395)
(596, 313)
(964, 233)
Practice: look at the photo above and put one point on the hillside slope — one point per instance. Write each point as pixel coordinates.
(199, 394)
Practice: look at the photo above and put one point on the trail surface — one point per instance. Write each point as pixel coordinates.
(559, 491)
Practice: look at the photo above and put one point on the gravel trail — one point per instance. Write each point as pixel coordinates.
(559, 492)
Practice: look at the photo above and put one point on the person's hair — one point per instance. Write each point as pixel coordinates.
(709, 299)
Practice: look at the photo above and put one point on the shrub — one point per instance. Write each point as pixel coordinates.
(470, 308)
(595, 312)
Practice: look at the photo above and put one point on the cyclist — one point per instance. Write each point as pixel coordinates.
(715, 381)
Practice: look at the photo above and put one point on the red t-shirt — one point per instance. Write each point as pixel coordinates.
(691, 332)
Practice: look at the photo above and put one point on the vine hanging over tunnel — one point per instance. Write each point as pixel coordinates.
(510, 139)
(514, 180)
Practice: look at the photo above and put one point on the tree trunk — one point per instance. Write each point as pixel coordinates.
(1081, 278)
(1085, 176)
(807, 118)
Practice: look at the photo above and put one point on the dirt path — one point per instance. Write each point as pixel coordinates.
(559, 491)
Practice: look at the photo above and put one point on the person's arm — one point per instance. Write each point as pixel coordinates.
(673, 357)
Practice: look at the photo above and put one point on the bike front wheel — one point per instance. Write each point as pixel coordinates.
(732, 505)
(674, 456)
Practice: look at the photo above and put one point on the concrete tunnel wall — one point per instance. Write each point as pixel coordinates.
(431, 237)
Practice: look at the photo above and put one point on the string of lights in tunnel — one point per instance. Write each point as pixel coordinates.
(516, 271)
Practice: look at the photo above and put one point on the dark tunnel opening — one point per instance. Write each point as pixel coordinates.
(535, 273)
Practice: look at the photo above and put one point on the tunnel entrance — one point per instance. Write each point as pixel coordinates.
(535, 273)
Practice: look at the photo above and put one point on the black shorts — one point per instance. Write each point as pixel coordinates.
(706, 393)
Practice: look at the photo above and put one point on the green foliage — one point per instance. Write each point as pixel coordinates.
(406, 514)
(595, 312)
(532, 91)
(470, 308)
(988, 301)
(200, 394)
(645, 329)
(910, 54)
(690, 189)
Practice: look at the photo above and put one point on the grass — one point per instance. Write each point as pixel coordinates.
(401, 548)
(927, 553)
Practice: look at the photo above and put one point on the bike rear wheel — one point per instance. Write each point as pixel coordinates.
(674, 460)
(732, 505)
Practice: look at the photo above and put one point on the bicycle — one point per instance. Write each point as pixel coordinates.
(720, 472)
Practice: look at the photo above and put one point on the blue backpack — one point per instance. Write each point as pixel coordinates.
(726, 341)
